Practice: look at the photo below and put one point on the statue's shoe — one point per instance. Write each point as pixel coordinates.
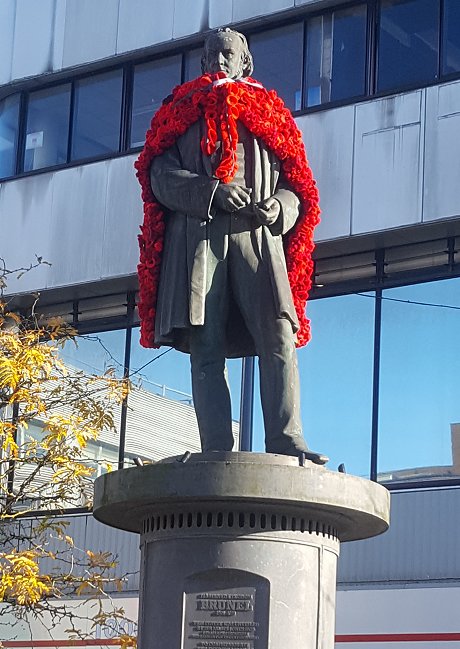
(303, 453)
(316, 458)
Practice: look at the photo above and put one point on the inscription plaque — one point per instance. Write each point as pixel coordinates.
(226, 615)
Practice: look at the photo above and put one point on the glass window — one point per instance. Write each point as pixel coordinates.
(9, 116)
(278, 62)
(408, 43)
(419, 410)
(451, 37)
(153, 82)
(161, 418)
(95, 354)
(335, 64)
(336, 382)
(85, 358)
(97, 115)
(192, 64)
(47, 131)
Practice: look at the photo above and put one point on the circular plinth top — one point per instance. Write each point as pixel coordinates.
(357, 508)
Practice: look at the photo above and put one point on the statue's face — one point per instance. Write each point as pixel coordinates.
(225, 53)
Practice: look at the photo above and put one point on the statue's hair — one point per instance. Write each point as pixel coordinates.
(248, 64)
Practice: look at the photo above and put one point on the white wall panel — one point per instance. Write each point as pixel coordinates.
(90, 30)
(33, 38)
(190, 18)
(144, 22)
(220, 13)
(243, 9)
(77, 224)
(328, 138)
(25, 206)
(7, 18)
(388, 163)
(120, 251)
(442, 142)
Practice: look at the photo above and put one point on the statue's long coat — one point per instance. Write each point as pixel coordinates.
(213, 100)
(182, 180)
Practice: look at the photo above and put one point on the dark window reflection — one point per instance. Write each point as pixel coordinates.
(9, 115)
(336, 56)
(153, 82)
(47, 131)
(419, 417)
(192, 64)
(408, 43)
(278, 57)
(451, 37)
(97, 115)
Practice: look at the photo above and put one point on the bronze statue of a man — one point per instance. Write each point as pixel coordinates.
(222, 287)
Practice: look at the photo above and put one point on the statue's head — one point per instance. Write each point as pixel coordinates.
(227, 51)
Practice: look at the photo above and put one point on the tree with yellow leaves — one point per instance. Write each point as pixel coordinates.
(46, 473)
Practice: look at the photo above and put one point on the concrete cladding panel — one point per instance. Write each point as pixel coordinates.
(220, 13)
(144, 22)
(33, 38)
(442, 141)
(25, 206)
(120, 251)
(189, 22)
(85, 40)
(7, 17)
(83, 220)
(244, 9)
(388, 163)
(77, 224)
(328, 138)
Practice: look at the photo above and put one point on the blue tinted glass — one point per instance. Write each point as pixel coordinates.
(153, 82)
(336, 382)
(161, 417)
(408, 43)
(336, 56)
(47, 132)
(419, 418)
(193, 64)
(9, 115)
(97, 115)
(451, 37)
(278, 57)
(95, 354)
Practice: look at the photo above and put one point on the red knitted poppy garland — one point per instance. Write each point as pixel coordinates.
(220, 102)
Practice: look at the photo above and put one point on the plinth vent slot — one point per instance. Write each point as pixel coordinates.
(251, 521)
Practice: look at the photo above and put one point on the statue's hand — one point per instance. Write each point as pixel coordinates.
(267, 211)
(231, 198)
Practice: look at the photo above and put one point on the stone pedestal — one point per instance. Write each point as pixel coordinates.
(239, 550)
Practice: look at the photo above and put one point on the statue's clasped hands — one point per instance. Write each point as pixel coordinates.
(231, 198)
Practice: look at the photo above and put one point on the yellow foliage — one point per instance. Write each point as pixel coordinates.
(47, 469)
(20, 578)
